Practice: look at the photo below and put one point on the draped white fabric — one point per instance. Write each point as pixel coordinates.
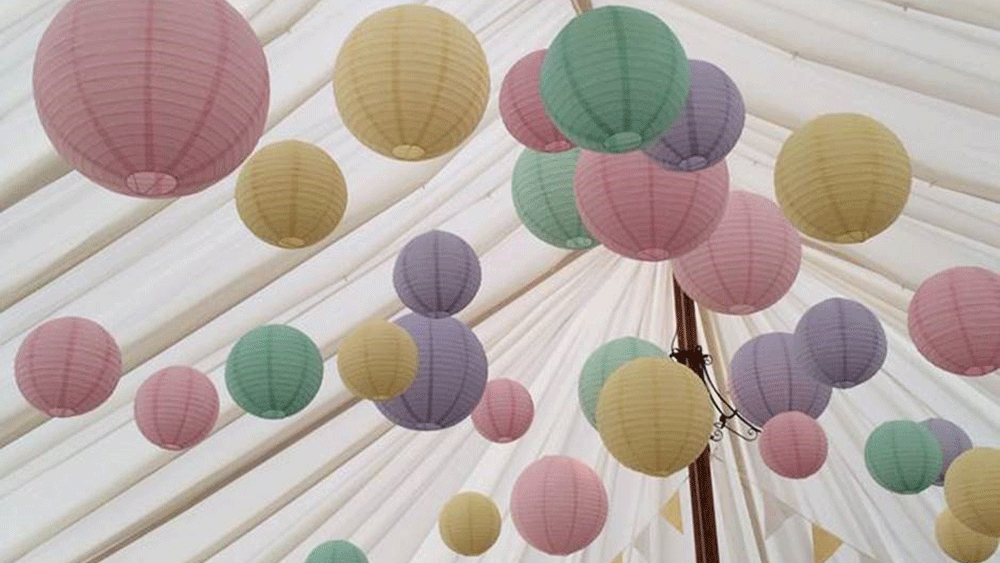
(177, 282)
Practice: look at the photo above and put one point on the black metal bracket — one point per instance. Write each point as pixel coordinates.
(698, 361)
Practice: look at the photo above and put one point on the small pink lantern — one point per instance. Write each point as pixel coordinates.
(954, 319)
(558, 505)
(640, 210)
(748, 263)
(793, 445)
(67, 366)
(176, 407)
(522, 109)
(505, 411)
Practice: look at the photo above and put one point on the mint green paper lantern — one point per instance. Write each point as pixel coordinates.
(542, 188)
(903, 456)
(614, 79)
(603, 362)
(274, 371)
(336, 551)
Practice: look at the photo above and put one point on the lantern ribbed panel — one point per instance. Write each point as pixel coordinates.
(972, 490)
(903, 456)
(176, 407)
(708, 127)
(954, 320)
(765, 380)
(749, 262)
(840, 342)
(640, 210)
(67, 366)
(793, 445)
(960, 543)
(337, 551)
(522, 109)
(505, 412)
(655, 416)
(603, 361)
(274, 371)
(377, 360)
(451, 378)
(952, 439)
(411, 82)
(469, 523)
(558, 505)
(175, 93)
(614, 79)
(291, 194)
(842, 177)
(437, 274)
(542, 189)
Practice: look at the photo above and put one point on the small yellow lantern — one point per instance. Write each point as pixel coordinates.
(469, 523)
(378, 360)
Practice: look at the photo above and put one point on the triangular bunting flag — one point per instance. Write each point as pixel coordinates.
(618, 558)
(642, 543)
(866, 559)
(775, 514)
(825, 544)
(672, 512)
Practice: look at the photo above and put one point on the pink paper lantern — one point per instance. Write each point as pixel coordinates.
(67, 366)
(558, 505)
(151, 98)
(748, 263)
(643, 211)
(176, 407)
(522, 109)
(954, 319)
(793, 445)
(505, 411)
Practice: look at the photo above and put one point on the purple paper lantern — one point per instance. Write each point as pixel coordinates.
(450, 380)
(954, 442)
(765, 380)
(708, 128)
(840, 342)
(437, 274)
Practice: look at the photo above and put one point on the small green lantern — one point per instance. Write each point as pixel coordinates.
(337, 551)
(274, 371)
(542, 188)
(903, 456)
(603, 362)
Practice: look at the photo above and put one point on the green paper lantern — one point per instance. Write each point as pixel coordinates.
(603, 362)
(614, 79)
(274, 371)
(337, 551)
(542, 188)
(903, 456)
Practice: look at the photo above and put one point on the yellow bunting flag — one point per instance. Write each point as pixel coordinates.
(618, 558)
(825, 544)
(672, 512)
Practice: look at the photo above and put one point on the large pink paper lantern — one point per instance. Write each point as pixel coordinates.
(954, 319)
(793, 445)
(641, 210)
(522, 109)
(748, 263)
(151, 98)
(67, 366)
(558, 505)
(505, 411)
(176, 407)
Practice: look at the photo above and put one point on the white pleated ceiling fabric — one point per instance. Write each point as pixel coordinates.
(177, 282)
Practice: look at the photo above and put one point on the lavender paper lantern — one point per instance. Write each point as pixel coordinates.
(176, 407)
(437, 274)
(765, 380)
(709, 125)
(450, 380)
(505, 412)
(151, 98)
(522, 109)
(952, 439)
(840, 342)
(954, 319)
(793, 445)
(640, 210)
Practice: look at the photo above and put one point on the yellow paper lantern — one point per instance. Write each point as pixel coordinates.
(654, 416)
(411, 82)
(842, 177)
(972, 490)
(291, 194)
(469, 523)
(960, 543)
(378, 360)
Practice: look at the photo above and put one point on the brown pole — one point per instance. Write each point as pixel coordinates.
(706, 545)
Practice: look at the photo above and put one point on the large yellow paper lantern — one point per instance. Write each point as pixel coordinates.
(654, 416)
(378, 360)
(291, 194)
(411, 82)
(469, 523)
(960, 543)
(842, 177)
(972, 490)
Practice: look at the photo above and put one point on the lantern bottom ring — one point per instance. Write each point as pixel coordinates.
(692, 163)
(653, 254)
(151, 183)
(291, 242)
(742, 309)
(558, 146)
(980, 370)
(273, 413)
(408, 152)
(623, 142)
(852, 236)
(580, 242)
(60, 412)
